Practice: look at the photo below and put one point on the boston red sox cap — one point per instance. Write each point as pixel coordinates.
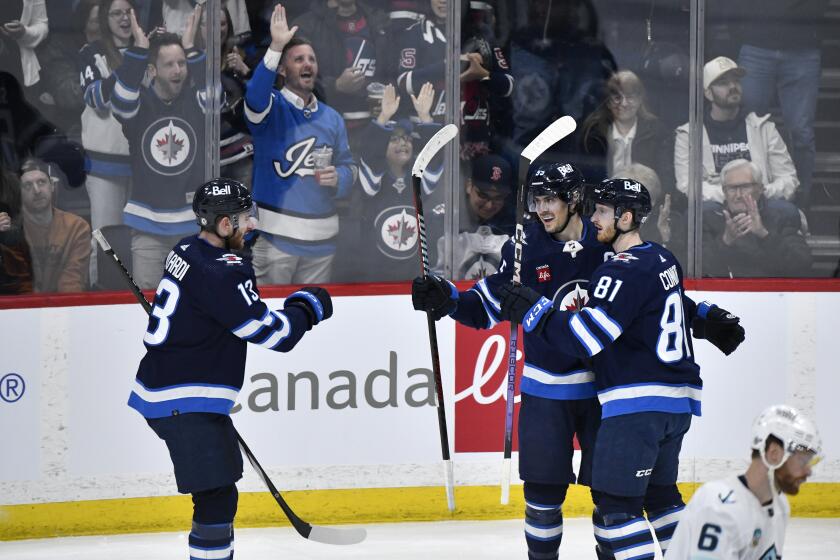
(492, 171)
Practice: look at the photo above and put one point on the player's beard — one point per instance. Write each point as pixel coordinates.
(788, 483)
(606, 234)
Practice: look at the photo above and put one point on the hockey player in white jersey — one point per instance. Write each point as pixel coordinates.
(744, 517)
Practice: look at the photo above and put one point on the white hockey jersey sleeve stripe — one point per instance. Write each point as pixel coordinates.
(604, 321)
(258, 117)
(581, 332)
(251, 327)
(488, 296)
(279, 335)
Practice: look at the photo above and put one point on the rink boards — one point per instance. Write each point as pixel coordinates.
(345, 422)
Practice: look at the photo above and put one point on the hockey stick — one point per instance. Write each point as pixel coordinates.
(555, 132)
(432, 147)
(317, 533)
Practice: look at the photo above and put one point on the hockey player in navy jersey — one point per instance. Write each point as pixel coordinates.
(635, 331)
(298, 217)
(558, 391)
(206, 309)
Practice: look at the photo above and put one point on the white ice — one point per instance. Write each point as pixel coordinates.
(811, 539)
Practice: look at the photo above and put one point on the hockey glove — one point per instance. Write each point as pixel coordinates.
(434, 295)
(718, 326)
(315, 301)
(522, 304)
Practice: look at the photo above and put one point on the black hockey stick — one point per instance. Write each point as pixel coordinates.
(555, 132)
(432, 147)
(327, 535)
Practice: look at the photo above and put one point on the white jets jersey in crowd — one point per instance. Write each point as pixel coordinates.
(725, 520)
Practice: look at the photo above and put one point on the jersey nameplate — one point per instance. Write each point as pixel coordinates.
(176, 266)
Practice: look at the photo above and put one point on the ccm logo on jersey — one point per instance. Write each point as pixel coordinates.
(230, 258)
(643, 473)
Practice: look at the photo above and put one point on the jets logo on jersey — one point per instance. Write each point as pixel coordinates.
(398, 232)
(624, 257)
(544, 273)
(230, 258)
(572, 296)
(169, 145)
(480, 266)
(298, 158)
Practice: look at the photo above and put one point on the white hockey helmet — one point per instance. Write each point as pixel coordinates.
(795, 431)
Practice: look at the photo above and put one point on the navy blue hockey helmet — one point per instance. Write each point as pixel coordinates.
(625, 195)
(563, 180)
(218, 198)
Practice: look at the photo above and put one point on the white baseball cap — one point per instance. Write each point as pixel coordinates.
(719, 66)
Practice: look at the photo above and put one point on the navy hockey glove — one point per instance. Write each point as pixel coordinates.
(524, 305)
(315, 301)
(434, 295)
(718, 326)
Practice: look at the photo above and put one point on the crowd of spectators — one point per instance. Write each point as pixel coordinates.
(111, 96)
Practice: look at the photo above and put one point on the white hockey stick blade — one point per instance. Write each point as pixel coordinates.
(505, 481)
(328, 535)
(449, 476)
(101, 240)
(555, 132)
(432, 147)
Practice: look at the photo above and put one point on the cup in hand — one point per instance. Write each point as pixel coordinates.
(321, 159)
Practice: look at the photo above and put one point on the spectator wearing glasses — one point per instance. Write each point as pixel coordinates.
(622, 131)
(387, 248)
(750, 235)
(107, 158)
(58, 241)
(488, 196)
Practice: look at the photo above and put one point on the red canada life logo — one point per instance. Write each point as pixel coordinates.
(481, 370)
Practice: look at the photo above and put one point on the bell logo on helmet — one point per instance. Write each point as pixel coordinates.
(566, 169)
(218, 191)
(632, 186)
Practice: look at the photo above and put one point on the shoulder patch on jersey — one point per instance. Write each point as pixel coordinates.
(756, 538)
(185, 247)
(231, 259)
(624, 257)
(544, 273)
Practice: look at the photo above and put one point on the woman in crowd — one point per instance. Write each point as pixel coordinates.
(623, 131)
(109, 175)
